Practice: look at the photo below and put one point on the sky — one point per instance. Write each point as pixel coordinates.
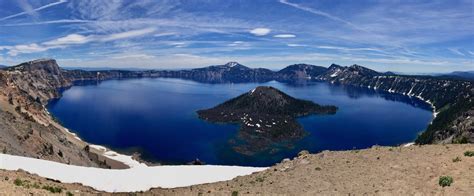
(405, 36)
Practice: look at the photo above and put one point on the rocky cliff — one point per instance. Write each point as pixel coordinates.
(26, 128)
(452, 100)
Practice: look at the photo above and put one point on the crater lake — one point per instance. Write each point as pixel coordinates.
(157, 118)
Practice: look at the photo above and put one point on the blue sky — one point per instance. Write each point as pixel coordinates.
(405, 36)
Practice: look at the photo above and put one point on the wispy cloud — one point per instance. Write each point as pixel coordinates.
(456, 51)
(321, 13)
(75, 39)
(61, 21)
(30, 10)
(350, 49)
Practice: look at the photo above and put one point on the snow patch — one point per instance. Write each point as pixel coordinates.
(253, 90)
(335, 73)
(409, 144)
(125, 159)
(126, 180)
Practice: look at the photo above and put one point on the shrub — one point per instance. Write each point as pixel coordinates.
(69, 193)
(235, 193)
(457, 159)
(445, 181)
(53, 189)
(18, 182)
(469, 153)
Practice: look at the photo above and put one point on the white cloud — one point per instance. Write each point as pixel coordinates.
(164, 34)
(236, 43)
(295, 45)
(284, 36)
(69, 39)
(30, 10)
(30, 48)
(350, 49)
(128, 34)
(260, 31)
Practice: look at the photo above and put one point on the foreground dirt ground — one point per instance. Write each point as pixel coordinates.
(413, 170)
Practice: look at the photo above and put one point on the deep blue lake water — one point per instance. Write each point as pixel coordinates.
(157, 118)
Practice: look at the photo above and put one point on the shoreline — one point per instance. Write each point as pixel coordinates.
(130, 161)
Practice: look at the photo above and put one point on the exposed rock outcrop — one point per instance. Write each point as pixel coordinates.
(26, 128)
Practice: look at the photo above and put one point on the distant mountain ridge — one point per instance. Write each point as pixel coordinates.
(469, 75)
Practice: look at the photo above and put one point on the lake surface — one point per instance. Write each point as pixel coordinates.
(157, 117)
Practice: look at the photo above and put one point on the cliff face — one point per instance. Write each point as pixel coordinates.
(453, 100)
(26, 128)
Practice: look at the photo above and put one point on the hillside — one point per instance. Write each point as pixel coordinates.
(452, 100)
(413, 170)
(27, 129)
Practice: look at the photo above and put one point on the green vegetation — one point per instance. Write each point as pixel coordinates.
(444, 119)
(317, 169)
(457, 159)
(445, 181)
(27, 184)
(69, 193)
(260, 179)
(52, 189)
(469, 153)
(235, 193)
(18, 182)
(463, 140)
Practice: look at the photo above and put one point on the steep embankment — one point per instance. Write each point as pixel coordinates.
(452, 100)
(26, 128)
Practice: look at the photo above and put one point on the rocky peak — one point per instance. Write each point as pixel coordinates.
(335, 66)
(363, 70)
(268, 100)
(235, 65)
(232, 64)
(48, 65)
